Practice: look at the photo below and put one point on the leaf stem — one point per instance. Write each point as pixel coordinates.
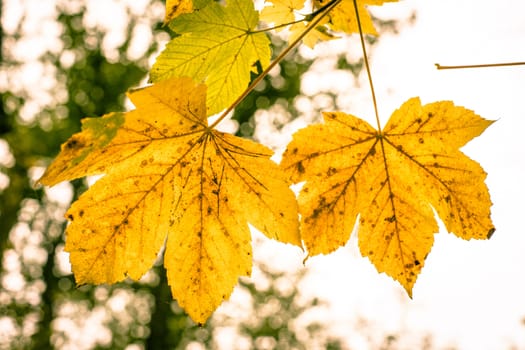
(367, 65)
(486, 65)
(311, 25)
(268, 29)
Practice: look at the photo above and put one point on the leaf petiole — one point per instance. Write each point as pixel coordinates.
(268, 29)
(367, 65)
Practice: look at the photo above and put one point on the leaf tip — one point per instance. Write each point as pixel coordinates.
(408, 287)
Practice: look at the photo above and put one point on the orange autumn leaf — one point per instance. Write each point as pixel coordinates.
(171, 179)
(392, 180)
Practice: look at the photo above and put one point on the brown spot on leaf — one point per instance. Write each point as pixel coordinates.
(316, 213)
(300, 167)
(73, 143)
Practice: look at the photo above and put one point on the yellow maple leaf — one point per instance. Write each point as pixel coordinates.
(393, 180)
(170, 179)
(343, 18)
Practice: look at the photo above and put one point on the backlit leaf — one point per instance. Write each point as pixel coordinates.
(343, 18)
(217, 46)
(392, 180)
(170, 179)
(314, 36)
(281, 11)
(174, 8)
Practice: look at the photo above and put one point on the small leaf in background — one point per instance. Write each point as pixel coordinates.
(174, 8)
(343, 18)
(280, 11)
(392, 180)
(170, 179)
(217, 46)
(316, 35)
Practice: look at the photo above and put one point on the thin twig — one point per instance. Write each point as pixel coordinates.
(488, 65)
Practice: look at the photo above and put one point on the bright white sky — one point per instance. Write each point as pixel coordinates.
(471, 294)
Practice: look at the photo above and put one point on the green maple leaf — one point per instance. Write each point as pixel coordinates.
(217, 46)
